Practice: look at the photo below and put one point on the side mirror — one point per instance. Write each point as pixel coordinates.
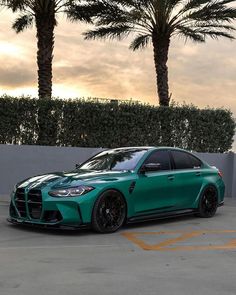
(151, 167)
(77, 165)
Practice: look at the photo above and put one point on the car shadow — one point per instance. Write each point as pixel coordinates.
(190, 219)
(51, 231)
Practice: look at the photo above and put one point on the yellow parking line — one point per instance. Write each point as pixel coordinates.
(134, 237)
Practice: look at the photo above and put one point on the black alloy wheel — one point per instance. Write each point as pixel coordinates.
(208, 203)
(109, 212)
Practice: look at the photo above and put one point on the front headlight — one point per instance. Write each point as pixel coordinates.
(71, 191)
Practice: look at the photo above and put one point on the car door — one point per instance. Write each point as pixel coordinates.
(188, 178)
(154, 189)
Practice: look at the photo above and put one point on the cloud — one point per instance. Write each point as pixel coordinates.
(15, 75)
(208, 78)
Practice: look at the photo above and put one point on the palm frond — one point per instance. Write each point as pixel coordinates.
(213, 11)
(216, 34)
(193, 4)
(172, 5)
(15, 5)
(23, 22)
(191, 34)
(78, 12)
(214, 25)
(140, 42)
(115, 32)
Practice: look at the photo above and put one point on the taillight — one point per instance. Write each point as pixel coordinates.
(220, 173)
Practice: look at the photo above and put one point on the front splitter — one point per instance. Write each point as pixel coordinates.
(57, 225)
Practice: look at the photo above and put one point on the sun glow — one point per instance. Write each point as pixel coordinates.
(59, 91)
(22, 91)
(10, 49)
(67, 91)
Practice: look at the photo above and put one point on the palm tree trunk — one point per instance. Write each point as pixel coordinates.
(45, 24)
(161, 50)
(45, 34)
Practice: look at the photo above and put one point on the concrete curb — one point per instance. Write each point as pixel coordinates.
(6, 204)
(4, 198)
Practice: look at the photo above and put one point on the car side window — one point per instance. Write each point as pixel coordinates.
(196, 163)
(185, 161)
(159, 157)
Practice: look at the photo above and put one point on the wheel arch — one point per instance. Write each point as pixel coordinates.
(203, 188)
(111, 189)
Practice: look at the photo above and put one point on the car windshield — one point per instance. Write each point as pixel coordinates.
(114, 160)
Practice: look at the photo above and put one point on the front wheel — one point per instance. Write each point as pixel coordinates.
(208, 203)
(109, 212)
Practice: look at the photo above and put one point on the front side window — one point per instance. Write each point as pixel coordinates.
(185, 161)
(114, 160)
(159, 157)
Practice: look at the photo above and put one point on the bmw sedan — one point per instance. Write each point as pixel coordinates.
(119, 186)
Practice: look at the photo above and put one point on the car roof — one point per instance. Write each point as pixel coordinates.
(147, 148)
(133, 148)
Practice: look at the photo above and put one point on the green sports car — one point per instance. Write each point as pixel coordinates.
(120, 186)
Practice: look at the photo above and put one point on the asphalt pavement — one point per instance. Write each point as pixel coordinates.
(179, 256)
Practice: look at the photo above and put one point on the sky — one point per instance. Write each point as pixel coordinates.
(202, 74)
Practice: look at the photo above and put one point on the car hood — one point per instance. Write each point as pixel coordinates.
(71, 179)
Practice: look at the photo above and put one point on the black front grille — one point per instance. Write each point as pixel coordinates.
(21, 202)
(35, 203)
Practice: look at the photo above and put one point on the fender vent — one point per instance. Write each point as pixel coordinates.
(132, 186)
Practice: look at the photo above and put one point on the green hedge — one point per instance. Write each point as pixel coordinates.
(89, 123)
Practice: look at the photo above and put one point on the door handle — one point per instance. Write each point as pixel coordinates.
(171, 177)
(198, 173)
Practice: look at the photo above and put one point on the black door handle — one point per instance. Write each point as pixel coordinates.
(198, 173)
(171, 177)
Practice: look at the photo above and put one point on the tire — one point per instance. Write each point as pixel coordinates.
(109, 212)
(208, 203)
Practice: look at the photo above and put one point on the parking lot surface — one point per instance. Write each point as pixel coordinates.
(186, 255)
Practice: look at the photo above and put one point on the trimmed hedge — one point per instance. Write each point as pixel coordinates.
(90, 123)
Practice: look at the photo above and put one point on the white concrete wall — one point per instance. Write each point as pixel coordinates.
(20, 162)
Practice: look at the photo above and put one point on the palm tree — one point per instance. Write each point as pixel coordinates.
(157, 21)
(43, 13)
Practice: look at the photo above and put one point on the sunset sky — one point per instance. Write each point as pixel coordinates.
(202, 74)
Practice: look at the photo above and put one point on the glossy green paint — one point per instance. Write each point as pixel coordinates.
(154, 192)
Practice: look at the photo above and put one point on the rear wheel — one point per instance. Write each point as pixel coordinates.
(109, 212)
(209, 202)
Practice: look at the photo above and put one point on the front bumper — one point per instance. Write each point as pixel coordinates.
(39, 209)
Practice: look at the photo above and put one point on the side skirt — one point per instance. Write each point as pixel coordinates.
(221, 204)
(164, 215)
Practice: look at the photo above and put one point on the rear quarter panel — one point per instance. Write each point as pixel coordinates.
(210, 177)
